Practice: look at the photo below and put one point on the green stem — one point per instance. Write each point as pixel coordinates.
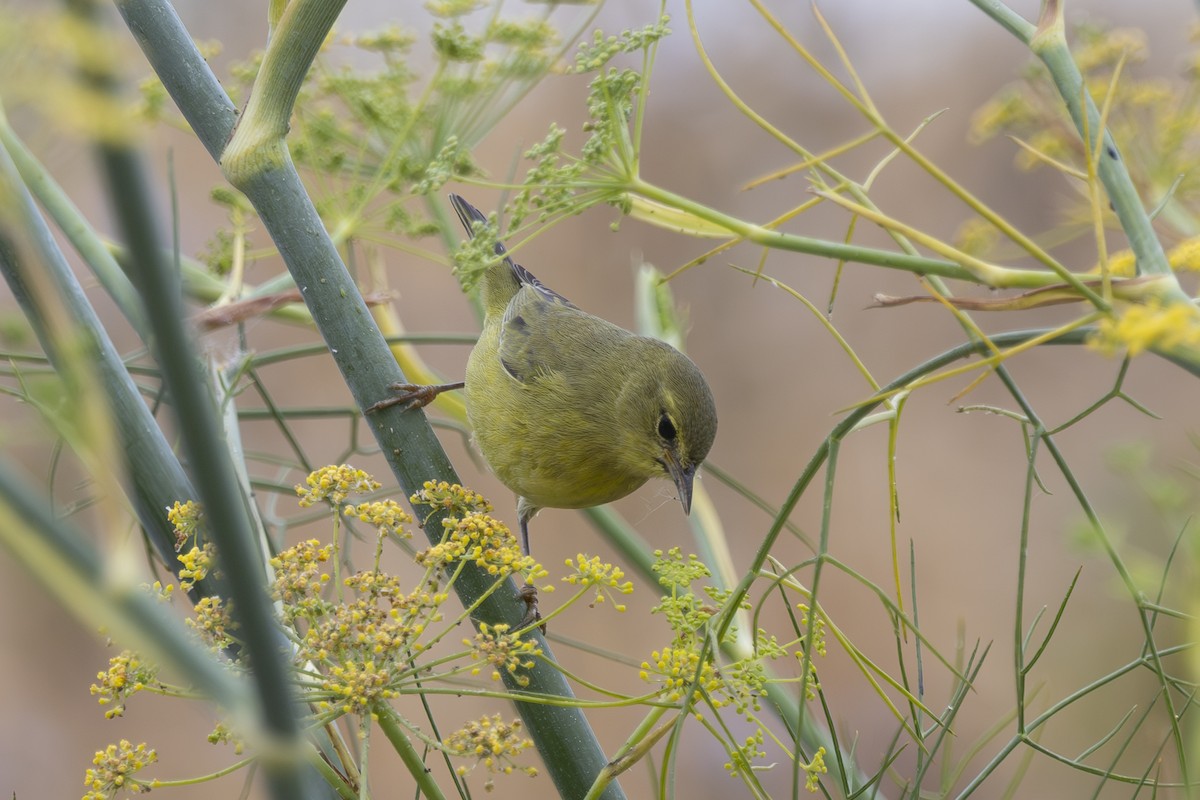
(392, 728)
(846, 425)
(258, 143)
(919, 265)
(331, 775)
(636, 746)
(1049, 44)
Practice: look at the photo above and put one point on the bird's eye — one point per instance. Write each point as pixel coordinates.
(666, 428)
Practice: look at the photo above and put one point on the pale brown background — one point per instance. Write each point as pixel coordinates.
(778, 378)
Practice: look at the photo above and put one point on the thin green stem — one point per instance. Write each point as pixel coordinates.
(1019, 670)
(1117, 563)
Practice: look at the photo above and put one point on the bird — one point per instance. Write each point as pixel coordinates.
(570, 410)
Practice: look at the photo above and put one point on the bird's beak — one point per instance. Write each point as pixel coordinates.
(682, 476)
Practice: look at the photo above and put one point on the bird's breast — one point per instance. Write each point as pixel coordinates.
(549, 440)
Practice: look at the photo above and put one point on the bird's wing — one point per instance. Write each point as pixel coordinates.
(537, 332)
(539, 324)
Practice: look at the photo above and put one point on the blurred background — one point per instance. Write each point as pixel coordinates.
(780, 380)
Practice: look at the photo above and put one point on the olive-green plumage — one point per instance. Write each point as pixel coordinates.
(570, 410)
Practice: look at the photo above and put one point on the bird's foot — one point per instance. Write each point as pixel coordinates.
(413, 395)
(529, 594)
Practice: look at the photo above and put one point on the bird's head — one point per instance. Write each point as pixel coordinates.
(672, 417)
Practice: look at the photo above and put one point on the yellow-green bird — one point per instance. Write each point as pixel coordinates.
(570, 410)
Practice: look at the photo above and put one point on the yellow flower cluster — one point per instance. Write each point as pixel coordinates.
(472, 535)
(358, 651)
(185, 519)
(386, 516)
(354, 686)
(357, 631)
(814, 770)
(1149, 325)
(504, 651)
(222, 735)
(1121, 264)
(1008, 109)
(126, 675)
(196, 564)
(679, 670)
(334, 484)
(113, 769)
(299, 579)
(977, 237)
(494, 743)
(483, 540)
(1185, 256)
(412, 611)
(1104, 49)
(604, 576)
(452, 498)
(818, 629)
(675, 571)
(365, 643)
(378, 585)
(210, 618)
(742, 757)
(362, 645)
(686, 611)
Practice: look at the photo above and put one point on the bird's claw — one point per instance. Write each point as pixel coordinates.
(408, 395)
(529, 594)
